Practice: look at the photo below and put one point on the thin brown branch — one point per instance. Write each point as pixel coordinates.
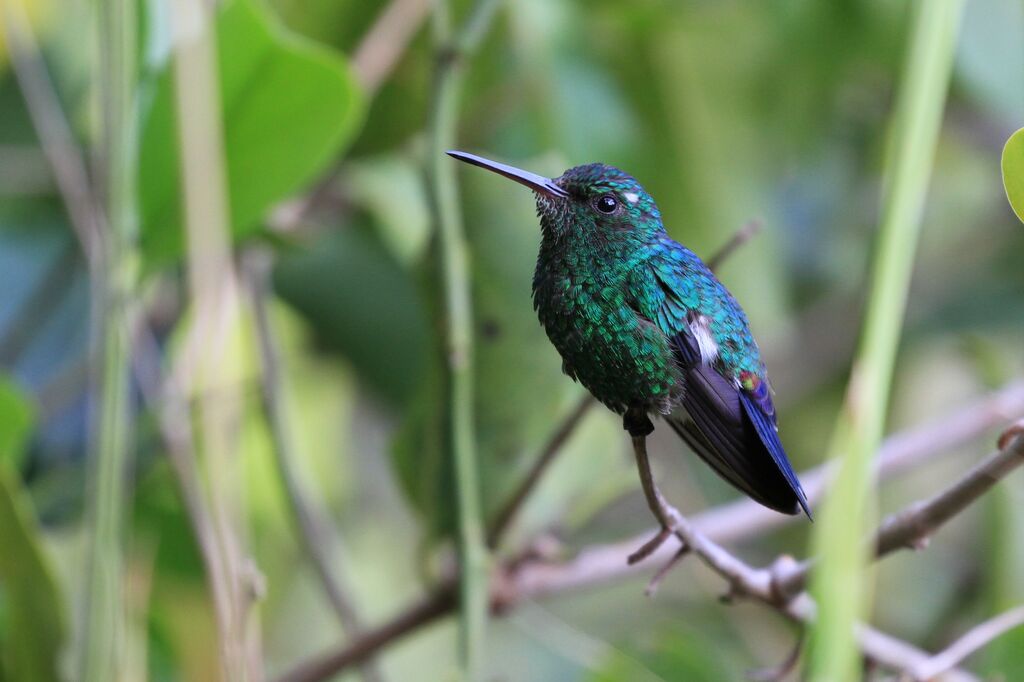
(319, 544)
(551, 448)
(373, 61)
(742, 236)
(164, 397)
(744, 518)
(899, 453)
(65, 158)
(895, 654)
(602, 563)
(383, 45)
(971, 641)
(911, 527)
(439, 603)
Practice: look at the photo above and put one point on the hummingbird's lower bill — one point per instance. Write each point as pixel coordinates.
(649, 330)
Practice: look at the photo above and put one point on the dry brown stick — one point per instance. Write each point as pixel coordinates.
(382, 46)
(744, 518)
(971, 641)
(166, 400)
(742, 236)
(911, 527)
(536, 580)
(551, 448)
(65, 158)
(439, 603)
(319, 544)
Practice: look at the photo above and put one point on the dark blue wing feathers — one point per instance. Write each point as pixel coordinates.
(733, 430)
(764, 423)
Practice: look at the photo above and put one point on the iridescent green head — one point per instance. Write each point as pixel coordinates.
(594, 199)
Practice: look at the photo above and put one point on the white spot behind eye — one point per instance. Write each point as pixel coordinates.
(631, 197)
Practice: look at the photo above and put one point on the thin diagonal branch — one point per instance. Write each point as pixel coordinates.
(441, 602)
(744, 518)
(971, 641)
(535, 580)
(165, 398)
(319, 544)
(741, 237)
(65, 158)
(911, 527)
(382, 46)
(547, 455)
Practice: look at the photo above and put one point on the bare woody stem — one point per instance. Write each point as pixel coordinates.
(971, 641)
(317, 542)
(911, 527)
(602, 563)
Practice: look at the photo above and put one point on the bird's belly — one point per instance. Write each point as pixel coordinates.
(623, 360)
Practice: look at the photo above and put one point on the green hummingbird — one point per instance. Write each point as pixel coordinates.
(649, 330)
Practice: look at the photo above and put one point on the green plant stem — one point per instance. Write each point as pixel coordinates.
(451, 53)
(103, 634)
(842, 584)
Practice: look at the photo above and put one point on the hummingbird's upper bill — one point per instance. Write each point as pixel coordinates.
(538, 183)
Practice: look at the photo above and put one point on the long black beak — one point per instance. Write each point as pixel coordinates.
(538, 183)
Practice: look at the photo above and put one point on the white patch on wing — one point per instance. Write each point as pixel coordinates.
(631, 197)
(701, 330)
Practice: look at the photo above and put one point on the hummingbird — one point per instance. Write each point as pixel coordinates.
(648, 329)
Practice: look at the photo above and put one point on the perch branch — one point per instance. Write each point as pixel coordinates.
(597, 564)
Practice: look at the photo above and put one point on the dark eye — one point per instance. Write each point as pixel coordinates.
(607, 204)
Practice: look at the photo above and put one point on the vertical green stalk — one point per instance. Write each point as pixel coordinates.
(473, 579)
(112, 283)
(841, 584)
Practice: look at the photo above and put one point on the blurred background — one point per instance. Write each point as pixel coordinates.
(728, 112)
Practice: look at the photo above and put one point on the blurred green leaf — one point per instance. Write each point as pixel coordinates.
(1013, 172)
(391, 189)
(289, 107)
(33, 623)
(673, 657)
(17, 417)
(361, 303)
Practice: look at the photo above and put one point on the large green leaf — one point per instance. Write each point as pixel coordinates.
(1013, 172)
(289, 107)
(33, 619)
